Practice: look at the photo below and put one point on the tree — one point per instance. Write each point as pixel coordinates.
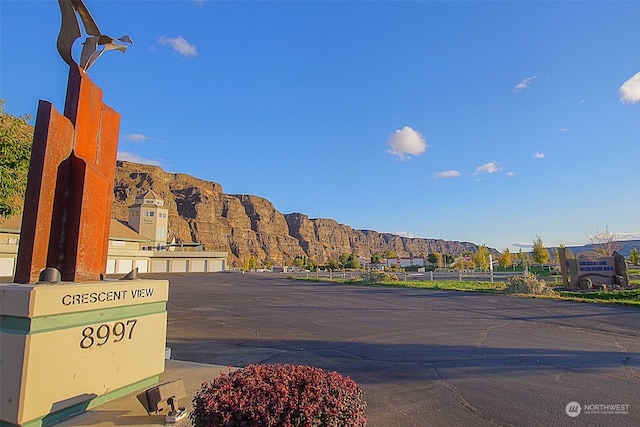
(355, 262)
(343, 259)
(540, 253)
(504, 259)
(436, 259)
(481, 258)
(332, 265)
(605, 242)
(522, 257)
(389, 253)
(350, 261)
(376, 258)
(633, 256)
(463, 264)
(16, 138)
(251, 263)
(448, 259)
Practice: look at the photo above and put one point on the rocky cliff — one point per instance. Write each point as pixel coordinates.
(247, 226)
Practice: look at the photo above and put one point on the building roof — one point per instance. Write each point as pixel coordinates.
(117, 230)
(120, 231)
(149, 195)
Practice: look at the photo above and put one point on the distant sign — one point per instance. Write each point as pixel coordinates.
(398, 260)
(601, 267)
(467, 257)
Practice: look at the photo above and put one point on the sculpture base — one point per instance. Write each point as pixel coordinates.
(72, 346)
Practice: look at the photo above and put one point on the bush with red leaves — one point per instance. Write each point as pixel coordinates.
(279, 395)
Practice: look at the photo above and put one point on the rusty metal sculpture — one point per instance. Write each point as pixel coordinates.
(67, 209)
(70, 32)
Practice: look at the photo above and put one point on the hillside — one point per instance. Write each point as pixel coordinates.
(246, 225)
(625, 247)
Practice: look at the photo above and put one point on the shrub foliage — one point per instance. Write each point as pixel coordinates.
(279, 395)
(527, 284)
(377, 276)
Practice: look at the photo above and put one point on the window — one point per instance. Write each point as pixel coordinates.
(152, 213)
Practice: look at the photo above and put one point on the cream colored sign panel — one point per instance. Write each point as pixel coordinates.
(603, 267)
(90, 360)
(43, 300)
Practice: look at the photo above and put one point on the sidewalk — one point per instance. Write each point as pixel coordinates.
(128, 411)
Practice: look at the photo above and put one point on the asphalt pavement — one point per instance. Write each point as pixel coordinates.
(422, 357)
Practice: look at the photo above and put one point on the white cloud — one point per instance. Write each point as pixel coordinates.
(180, 45)
(510, 174)
(524, 84)
(402, 233)
(538, 155)
(447, 174)
(634, 235)
(630, 90)
(491, 167)
(406, 141)
(128, 156)
(135, 137)
(564, 130)
(523, 245)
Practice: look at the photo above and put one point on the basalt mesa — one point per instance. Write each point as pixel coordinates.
(249, 226)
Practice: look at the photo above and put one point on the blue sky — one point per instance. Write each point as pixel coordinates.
(488, 122)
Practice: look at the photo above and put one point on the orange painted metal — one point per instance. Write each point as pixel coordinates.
(67, 208)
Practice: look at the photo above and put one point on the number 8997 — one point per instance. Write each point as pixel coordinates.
(102, 334)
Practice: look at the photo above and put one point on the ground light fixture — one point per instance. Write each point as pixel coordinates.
(165, 396)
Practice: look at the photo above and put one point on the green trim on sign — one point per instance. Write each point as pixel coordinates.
(23, 325)
(56, 417)
(14, 325)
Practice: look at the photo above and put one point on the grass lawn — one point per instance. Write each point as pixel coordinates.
(621, 297)
(626, 297)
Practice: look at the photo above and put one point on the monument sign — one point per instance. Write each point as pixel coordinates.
(590, 269)
(70, 339)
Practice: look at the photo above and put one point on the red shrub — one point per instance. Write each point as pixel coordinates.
(279, 395)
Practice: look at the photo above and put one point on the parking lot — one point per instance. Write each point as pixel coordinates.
(422, 357)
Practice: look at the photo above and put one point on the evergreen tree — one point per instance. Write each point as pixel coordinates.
(522, 257)
(448, 259)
